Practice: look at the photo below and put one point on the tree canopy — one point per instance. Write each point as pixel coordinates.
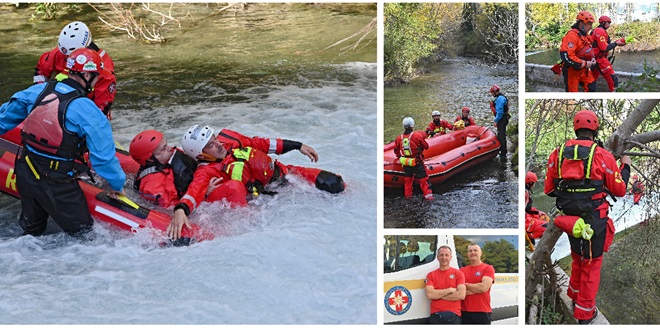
(419, 32)
(546, 23)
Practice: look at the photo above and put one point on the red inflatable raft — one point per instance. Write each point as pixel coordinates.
(124, 215)
(447, 155)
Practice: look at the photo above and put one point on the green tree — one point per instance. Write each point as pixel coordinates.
(502, 255)
(413, 32)
(497, 27)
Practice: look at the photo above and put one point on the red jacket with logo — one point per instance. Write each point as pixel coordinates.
(478, 302)
(576, 49)
(53, 62)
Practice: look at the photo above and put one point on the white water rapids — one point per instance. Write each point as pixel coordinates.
(301, 257)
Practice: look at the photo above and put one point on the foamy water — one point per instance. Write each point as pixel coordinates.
(302, 256)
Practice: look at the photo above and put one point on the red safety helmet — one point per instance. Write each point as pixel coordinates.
(495, 89)
(531, 178)
(84, 60)
(604, 19)
(585, 119)
(143, 145)
(585, 17)
(635, 177)
(463, 109)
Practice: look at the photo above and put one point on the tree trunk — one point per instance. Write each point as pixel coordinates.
(616, 143)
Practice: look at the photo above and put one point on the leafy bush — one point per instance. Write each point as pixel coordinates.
(50, 10)
(647, 82)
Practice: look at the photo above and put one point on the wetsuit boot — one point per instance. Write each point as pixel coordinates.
(426, 188)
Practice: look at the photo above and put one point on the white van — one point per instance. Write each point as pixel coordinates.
(409, 258)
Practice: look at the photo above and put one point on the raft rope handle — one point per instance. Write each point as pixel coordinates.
(128, 202)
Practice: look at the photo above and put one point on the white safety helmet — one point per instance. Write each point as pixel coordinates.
(435, 113)
(408, 122)
(195, 139)
(73, 36)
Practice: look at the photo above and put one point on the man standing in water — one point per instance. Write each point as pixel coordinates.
(580, 174)
(409, 149)
(445, 287)
(500, 108)
(479, 277)
(60, 124)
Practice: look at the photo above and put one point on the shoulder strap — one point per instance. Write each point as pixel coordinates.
(50, 86)
(577, 153)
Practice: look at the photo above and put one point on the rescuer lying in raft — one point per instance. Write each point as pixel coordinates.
(166, 172)
(243, 166)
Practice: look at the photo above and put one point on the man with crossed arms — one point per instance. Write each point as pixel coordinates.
(445, 287)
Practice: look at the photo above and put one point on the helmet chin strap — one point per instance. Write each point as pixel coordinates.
(88, 83)
(582, 27)
(209, 158)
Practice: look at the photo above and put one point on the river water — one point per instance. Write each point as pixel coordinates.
(632, 62)
(485, 196)
(300, 257)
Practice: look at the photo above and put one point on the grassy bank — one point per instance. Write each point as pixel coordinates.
(630, 286)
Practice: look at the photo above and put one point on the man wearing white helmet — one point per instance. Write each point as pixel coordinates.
(232, 156)
(438, 126)
(409, 149)
(76, 35)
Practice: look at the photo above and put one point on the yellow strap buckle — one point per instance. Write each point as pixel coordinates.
(34, 171)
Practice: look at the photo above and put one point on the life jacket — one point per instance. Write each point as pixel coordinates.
(251, 166)
(408, 158)
(183, 167)
(574, 187)
(44, 128)
(406, 149)
(438, 127)
(506, 105)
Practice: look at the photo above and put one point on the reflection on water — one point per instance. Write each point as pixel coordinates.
(482, 197)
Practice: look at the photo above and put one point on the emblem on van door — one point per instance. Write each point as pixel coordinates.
(398, 300)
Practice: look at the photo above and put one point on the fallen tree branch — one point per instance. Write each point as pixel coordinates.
(363, 33)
